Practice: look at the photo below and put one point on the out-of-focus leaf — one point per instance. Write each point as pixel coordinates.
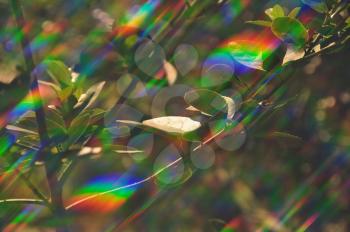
(262, 23)
(185, 58)
(285, 135)
(170, 72)
(244, 196)
(318, 5)
(85, 151)
(191, 108)
(59, 72)
(294, 12)
(231, 107)
(207, 101)
(96, 115)
(188, 172)
(290, 30)
(275, 12)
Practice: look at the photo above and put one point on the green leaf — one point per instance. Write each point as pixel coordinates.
(29, 141)
(96, 115)
(290, 30)
(64, 94)
(88, 98)
(294, 12)
(59, 72)
(77, 129)
(55, 124)
(262, 23)
(275, 12)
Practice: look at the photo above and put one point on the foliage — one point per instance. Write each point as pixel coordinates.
(76, 125)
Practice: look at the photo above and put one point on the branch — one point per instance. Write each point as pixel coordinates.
(30, 66)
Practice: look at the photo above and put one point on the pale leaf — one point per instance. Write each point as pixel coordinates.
(173, 124)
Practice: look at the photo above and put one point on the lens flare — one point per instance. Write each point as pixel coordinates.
(103, 194)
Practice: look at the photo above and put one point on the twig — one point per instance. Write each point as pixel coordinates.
(22, 201)
(74, 204)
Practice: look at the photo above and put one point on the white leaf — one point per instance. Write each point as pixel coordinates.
(129, 122)
(231, 107)
(293, 54)
(18, 129)
(192, 108)
(173, 124)
(171, 73)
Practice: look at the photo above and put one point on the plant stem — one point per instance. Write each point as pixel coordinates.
(30, 65)
(51, 165)
(22, 201)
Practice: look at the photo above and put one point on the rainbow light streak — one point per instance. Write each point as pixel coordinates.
(99, 197)
(249, 49)
(232, 226)
(308, 223)
(294, 209)
(233, 9)
(16, 34)
(167, 14)
(304, 193)
(31, 102)
(103, 53)
(143, 15)
(26, 216)
(77, 202)
(42, 41)
(133, 24)
(20, 164)
(6, 142)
